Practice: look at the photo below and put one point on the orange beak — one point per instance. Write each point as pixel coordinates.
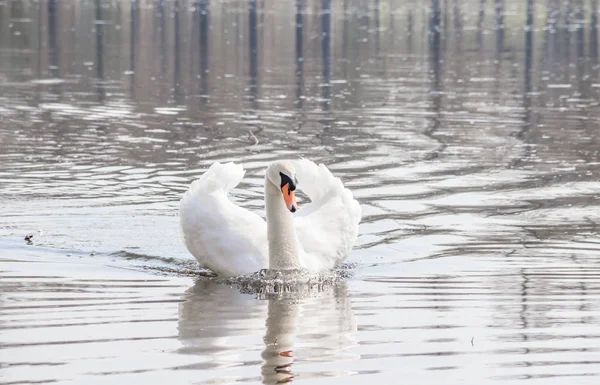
(289, 198)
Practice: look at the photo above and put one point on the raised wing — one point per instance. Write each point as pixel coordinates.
(221, 235)
(326, 227)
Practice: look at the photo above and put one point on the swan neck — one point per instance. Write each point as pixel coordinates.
(281, 233)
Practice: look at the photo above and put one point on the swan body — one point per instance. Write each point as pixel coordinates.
(232, 241)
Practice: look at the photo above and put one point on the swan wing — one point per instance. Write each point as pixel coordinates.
(326, 227)
(221, 235)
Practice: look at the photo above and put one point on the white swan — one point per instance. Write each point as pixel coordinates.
(231, 240)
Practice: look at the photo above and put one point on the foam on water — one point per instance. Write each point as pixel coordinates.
(295, 283)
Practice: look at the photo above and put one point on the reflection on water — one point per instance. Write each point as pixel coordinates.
(468, 130)
(311, 326)
(279, 342)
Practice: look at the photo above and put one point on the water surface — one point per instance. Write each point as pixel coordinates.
(468, 131)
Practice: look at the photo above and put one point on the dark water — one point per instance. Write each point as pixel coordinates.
(468, 130)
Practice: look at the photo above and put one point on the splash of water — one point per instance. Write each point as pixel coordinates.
(296, 283)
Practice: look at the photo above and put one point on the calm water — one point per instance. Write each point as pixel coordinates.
(468, 130)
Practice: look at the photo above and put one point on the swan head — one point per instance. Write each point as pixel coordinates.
(282, 174)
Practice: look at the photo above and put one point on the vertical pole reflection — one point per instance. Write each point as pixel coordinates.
(445, 15)
(99, 52)
(253, 41)
(53, 39)
(4, 15)
(594, 31)
(409, 31)
(499, 46)
(580, 46)
(299, 53)
(435, 47)
(381, 58)
(458, 35)
(326, 51)
(499, 26)
(566, 36)
(550, 34)
(53, 46)
(580, 20)
(457, 20)
(345, 39)
(528, 45)
(377, 28)
(203, 20)
(524, 304)
(40, 43)
(480, 25)
(279, 341)
(435, 41)
(528, 64)
(481, 14)
(162, 26)
(176, 54)
(132, 45)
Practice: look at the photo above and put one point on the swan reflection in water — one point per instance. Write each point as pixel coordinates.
(282, 326)
(231, 330)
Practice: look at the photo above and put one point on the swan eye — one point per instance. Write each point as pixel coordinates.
(287, 180)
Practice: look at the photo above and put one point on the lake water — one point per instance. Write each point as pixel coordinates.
(468, 131)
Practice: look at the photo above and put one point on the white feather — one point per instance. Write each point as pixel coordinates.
(221, 235)
(327, 227)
